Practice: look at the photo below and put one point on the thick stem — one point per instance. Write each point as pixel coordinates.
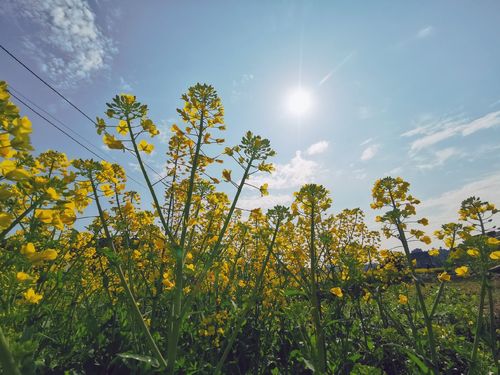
(246, 309)
(436, 301)
(479, 321)
(420, 297)
(176, 321)
(493, 335)
(132, 302)
(19, 218)
(6, 359)
(315, 303)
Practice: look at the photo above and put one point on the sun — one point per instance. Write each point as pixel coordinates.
(299, 101)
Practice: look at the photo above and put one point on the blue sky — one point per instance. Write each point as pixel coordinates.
(402, 88)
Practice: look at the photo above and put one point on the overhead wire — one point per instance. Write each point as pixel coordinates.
(64, 98)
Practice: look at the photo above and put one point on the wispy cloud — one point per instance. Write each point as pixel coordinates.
(336, 68)
(256, 201)
(66, 41)
(441, 130)
(443, 208)
(439, 158)
(370, 152)
(425, 32)
(125, 86)
(366, 141)
(317, 148)
(297, 172)
(359, 174)
(240, 86)
(285, 179)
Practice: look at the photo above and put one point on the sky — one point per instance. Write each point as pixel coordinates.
(408, 89)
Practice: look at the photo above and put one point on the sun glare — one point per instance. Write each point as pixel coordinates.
(299, 101)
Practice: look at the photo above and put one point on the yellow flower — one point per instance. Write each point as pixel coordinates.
(128, 98)
(367, 296)
(112, 142)
(423, 221)
(28, 249)
(122, 127)
(444, 276)
(45, 216)
(493, 241)
(495, 255)
(190, 267)
(425, 239)
(226, 174)
(263, 190)
(473, 252)
(462, 271)
(384, 253)
(434, 252)
(241, 283)
(22, 276)
(403, 300)
(49, 254)
(167, 283)
(5, 219)
(337, 292)
(107, 190)
(31, 296)
(52, 193)
(146, 147)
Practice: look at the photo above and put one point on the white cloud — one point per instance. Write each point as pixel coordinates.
(286, 178)
(366, 141)
(440, 157)
(444, 208)
(370, 152)
(317, 148)
(125, 86)
(240, 86)
(488, 121)
(449, 127)
(359, 174)
(266, 202)
(297, 172)
(425, 32)
(394, 171)
(67, 41)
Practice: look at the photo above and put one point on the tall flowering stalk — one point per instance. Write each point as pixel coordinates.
(393, 193)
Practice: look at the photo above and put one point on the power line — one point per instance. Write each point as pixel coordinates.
(46, 83)
(64, 98)
(67, 127)
(67, 134)
(12, 88)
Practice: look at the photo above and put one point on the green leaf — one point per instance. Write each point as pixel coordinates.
(141, 358)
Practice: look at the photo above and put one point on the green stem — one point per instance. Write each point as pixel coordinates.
(132, 302)
(436, 301)
(315, 302)
(249, 305)
(19, 218)
(493, 337)
(6, 359)
(420, 295)
(478, 324)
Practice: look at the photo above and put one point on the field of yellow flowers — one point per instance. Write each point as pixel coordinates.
(195, 285)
